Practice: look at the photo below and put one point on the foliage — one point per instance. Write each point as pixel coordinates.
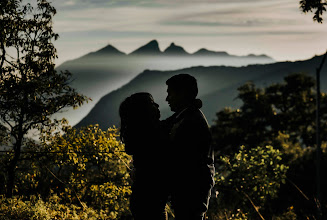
(299, 191)
(31, 90)
(82, 166)
(216, 212)
(281, 115)
(287, 108)
(36, 208)
(318, 5)
(288, 215)
(248, 179)
(291, 152)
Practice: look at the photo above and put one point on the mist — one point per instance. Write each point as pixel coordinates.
(97, 74)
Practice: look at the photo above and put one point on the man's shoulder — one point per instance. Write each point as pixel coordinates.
(195, 115)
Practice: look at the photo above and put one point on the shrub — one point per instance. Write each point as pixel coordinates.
(247, 180)
(85, 167)
(35, 208)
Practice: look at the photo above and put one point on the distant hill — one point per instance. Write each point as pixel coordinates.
(100, 72)
(205, 52)
(217, 87)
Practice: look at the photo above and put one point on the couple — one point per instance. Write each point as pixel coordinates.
(172, 158)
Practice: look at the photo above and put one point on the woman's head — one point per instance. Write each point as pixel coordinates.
(138, 110)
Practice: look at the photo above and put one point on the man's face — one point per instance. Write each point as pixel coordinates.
(175, 99)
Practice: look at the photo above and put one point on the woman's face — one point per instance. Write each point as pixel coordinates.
(152, 109)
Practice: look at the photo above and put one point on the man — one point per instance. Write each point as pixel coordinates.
(191, 156)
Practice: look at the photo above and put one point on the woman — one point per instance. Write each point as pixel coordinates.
(145, 140)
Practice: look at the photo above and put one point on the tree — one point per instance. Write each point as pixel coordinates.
(287, 108)
(319, 6)
(31, 90)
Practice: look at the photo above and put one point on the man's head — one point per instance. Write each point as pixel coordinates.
(182, 90)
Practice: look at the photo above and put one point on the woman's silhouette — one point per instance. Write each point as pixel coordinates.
(145, 140)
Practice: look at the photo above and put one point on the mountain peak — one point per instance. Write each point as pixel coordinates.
(151, 48)
(109, 50)
(173, 49)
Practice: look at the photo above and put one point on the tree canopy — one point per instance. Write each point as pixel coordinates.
(287, 108)
(31, 90)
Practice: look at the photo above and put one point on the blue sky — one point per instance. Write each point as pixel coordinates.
(276, 28)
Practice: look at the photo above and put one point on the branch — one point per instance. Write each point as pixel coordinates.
(12, 64)
(66, 184)
(114, 153)
(302, 193)
(27, 128)
(3, 57)
(8, 123)
(254, 206)
(30, 158)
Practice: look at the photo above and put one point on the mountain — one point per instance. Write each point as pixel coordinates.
(258, 56)
(105, 52)
(217, 87)
(101, 72)
(151, 48)
(109, 50)
(175, 50)
(205, 52)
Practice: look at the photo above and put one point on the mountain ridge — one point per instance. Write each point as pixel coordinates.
(152, 48)
(207, 52)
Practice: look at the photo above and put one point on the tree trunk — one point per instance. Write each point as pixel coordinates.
(12, 169)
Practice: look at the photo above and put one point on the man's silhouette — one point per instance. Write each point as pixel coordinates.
(191, 157)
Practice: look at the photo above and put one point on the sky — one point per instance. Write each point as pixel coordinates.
(276, 28)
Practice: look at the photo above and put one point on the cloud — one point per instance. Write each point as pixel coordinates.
(256, 18)
(134, 22)
(217, 14)
(249, 13)
(230, 23)
(83, 4)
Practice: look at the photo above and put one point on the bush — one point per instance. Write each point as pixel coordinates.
(84, 167)
(36, 208)
(92, 167)
(247, 180)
